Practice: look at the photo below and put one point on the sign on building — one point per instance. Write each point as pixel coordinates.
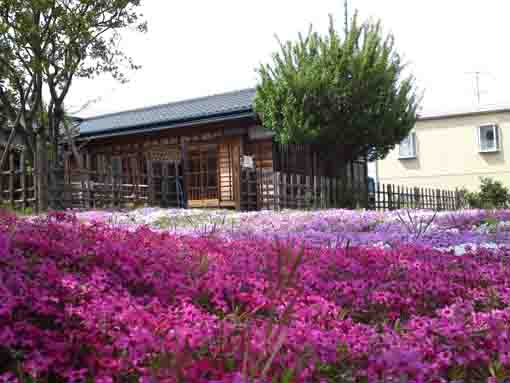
(247, 162)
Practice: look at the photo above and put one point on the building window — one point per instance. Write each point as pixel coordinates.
(407, 148)
(488, 138)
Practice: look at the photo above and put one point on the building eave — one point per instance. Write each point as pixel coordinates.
(134, 130)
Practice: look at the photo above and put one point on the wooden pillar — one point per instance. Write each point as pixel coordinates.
(185, 171)
(88, 194)
(177, 194)
(236, 173)
(42, 172)
(34, 185)
(150, 183)
(23, 185)
(283, 191)
(237, 159)
(66, 184)
(111, 178)
(12, 173)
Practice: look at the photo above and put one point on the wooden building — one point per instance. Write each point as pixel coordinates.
(198, 153)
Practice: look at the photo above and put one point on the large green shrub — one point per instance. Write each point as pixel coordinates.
(345, 92)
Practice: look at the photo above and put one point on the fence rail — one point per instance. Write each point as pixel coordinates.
(259, 189)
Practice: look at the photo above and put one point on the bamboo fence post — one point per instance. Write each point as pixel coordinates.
(438, 200)
(390, 197)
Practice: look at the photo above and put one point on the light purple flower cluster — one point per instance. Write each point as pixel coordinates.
(327, 227)
(88, 302)
(338, 227)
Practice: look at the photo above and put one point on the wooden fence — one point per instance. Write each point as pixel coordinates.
(85, 189)
(18, 186)
(392, 197)
(265, 189)
(260, 189)
(278, 190)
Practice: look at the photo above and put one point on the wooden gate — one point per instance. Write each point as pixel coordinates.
(166, 185)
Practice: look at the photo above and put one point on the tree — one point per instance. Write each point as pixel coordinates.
(347, 94)
(44, 46)
(492, 195)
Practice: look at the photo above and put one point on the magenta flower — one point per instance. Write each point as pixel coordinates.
(97, 302)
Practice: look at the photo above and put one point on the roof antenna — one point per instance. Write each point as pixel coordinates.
(477, 75)
(346, 15)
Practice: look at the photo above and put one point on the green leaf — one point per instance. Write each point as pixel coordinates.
(287, 376)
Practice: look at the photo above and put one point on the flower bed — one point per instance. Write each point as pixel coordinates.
(88, 302)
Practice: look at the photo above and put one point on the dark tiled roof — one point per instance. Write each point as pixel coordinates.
(224, 104)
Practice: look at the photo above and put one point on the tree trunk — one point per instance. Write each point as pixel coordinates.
(56, 120)
(72, 145)
(30, 148)
(42, 172)
(7, 148)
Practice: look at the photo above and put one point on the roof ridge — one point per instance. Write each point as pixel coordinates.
(180, 102)
(463, 111)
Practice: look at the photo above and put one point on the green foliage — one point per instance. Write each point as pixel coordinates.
(492, 195)
(45, 45)
(59, 38)
(347, 93)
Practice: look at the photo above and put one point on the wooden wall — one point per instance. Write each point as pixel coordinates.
(215, 148)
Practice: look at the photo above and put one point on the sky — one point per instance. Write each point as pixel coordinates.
(196, 48)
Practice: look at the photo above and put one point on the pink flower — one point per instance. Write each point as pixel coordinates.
(104, 303)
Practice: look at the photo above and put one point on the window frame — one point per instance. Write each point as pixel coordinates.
(497, 135)
(414, 154)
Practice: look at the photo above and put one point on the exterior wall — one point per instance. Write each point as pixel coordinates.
(448, 154)
(204, 144)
